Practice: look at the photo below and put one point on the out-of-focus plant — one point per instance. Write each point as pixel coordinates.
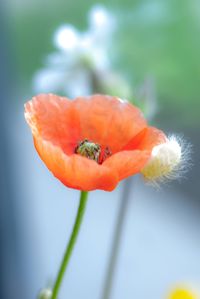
(81, 63)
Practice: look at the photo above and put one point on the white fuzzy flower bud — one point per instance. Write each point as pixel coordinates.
(45, 294)
(165, 160)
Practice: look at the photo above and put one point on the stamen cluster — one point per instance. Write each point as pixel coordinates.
(92, 151)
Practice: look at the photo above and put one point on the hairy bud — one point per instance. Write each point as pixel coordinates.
(165, 161)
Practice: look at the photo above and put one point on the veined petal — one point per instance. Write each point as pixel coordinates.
(54, 119)
(108, 120)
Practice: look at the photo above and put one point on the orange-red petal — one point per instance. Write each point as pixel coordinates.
(146, 139)
(127, 163)
(108, 120)
(54, 119)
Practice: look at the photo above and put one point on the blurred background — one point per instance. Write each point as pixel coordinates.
(146, 51)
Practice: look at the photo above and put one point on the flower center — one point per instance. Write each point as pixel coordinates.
(92, 151)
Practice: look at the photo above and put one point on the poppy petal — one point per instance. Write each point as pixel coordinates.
(75, 171)
(108, 120)
(146, 139)
(127, 163)
(55, 120)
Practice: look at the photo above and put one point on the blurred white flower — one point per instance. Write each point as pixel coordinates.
(81, 64)
(102, 23)
(80, 58)
(66, 37)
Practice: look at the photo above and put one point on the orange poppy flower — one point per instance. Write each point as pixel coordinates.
(91, 142)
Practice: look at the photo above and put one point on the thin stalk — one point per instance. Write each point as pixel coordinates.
(118, 233)
(70, 246)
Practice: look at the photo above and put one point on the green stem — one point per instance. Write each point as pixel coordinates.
(70, 246)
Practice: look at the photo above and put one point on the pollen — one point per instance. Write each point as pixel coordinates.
(164, 161)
